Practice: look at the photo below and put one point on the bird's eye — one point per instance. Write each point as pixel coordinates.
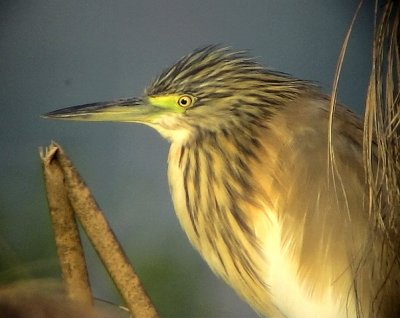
(185, 101)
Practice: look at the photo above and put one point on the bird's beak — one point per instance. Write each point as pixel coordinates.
(121, 110)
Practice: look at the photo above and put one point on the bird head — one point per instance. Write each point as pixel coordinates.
(209, 89)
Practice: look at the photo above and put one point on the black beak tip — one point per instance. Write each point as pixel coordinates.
(72, 111)
(89, 109)
(47, 115)
(55, 114)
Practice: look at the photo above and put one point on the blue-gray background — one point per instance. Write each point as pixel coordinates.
(55, 54)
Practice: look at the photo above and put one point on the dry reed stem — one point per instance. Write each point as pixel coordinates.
(104, 240)
(381, 144)
(68, 243)
(382, 125)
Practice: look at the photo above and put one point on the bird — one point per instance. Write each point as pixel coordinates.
(269, 190)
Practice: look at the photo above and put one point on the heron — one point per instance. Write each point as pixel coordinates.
(255, 189)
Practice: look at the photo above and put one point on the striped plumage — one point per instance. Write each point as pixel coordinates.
(254, 189)
(252, 178)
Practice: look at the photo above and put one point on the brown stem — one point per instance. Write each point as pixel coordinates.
(68, 243)
(104, 240)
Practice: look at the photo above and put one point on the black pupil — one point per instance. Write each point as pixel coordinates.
(184, 101)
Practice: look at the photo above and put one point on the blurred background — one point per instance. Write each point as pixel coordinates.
(55, 54)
